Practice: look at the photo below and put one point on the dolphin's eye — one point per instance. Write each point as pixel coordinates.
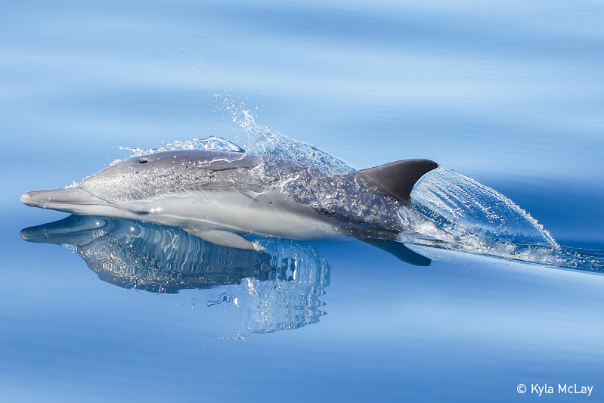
(143, 161)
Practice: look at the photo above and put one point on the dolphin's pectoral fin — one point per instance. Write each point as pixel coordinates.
(400, 251)
(222, 238)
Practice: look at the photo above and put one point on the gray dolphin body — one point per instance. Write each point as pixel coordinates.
(221, 196)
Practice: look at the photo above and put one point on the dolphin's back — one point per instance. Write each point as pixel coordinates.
(171, 172)
(181, 159)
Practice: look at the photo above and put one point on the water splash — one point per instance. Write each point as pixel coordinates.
(212, 143)
(273, 146)
(463, 206)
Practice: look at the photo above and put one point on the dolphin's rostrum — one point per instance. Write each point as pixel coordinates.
(222, 196)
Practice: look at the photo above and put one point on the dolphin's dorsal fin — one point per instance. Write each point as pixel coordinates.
(397, 178)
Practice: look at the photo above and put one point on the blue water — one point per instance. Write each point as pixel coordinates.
(507, 93)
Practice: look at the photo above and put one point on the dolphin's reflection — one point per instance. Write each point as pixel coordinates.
(280, 285)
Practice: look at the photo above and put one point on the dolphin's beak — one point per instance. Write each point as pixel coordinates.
(67, 200)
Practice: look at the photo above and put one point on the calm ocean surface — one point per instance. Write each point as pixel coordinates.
(510, 93)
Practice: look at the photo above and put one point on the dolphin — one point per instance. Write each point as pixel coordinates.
(224, 196)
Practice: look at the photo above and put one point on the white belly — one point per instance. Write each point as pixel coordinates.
(266, 215)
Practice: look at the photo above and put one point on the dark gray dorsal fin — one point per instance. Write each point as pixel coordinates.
(397, 178)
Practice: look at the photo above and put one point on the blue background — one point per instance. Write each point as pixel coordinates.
(507, 92)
